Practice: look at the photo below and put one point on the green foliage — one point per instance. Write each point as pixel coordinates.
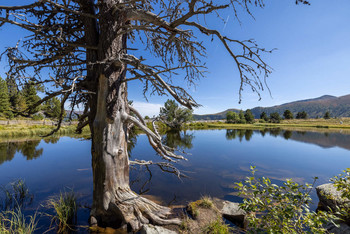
(248, 116)
(37, 117)
(263, 116)
(327, 115)
(301, 115)
(4, 97)
(275, 117)
(147, 117)
(65, 208)
(217, 227)
(232, 117)
(29, 93)
(19, 103)
(52, 108)
(241, 117)
(342, 183)
(174, 116)
(280, 209)
(287, 114)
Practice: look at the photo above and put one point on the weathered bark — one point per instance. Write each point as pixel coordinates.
(114, 204)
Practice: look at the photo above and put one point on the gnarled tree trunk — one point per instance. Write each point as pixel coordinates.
(114, 203)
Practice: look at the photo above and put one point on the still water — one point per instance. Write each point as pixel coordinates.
(216, 159)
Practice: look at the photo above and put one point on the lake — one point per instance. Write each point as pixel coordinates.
(216, 160)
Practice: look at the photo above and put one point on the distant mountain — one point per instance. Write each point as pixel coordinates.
(337, 106)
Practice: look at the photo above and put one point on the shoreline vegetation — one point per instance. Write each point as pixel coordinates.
(25, 128)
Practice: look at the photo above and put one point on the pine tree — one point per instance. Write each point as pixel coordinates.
(52, 108)
(29, 93)
(12, 90)
(4, 98)
(19, 103)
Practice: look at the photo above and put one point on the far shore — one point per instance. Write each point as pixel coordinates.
(31, 128)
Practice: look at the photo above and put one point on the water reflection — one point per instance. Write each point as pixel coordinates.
(322, 139)
(28, 148)
(142, 175)
(232, 134)
(180, 140)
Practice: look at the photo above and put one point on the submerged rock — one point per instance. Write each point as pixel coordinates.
(150, 229)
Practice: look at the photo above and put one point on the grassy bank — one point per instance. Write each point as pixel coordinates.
(15, 131)
(329, 125)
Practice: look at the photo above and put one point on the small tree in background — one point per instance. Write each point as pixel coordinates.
(241, 117)
(301, 115)
(288, 114)
(29, 93)
(232, 117)
(19, 103)
(4, 98)
(174, 116)
(249, 117)
(264, 116)
(275, 117)
(327, 115)
(52, 108)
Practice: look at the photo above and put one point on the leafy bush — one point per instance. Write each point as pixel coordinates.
(342, 183)
(37, 117)
(280, 209)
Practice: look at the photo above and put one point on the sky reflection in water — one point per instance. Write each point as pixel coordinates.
(217, 159)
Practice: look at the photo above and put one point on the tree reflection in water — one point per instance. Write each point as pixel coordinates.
(231, 134)
(28, 148)
(178, 141)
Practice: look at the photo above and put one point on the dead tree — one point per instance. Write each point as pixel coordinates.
(83, 51)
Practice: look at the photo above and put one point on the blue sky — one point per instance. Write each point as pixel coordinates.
(313, 56)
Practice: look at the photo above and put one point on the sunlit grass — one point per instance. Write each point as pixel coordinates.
(65, 211)
(15, 222)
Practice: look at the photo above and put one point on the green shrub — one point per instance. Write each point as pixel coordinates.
(280, 209)
(37, 117)
(342, 183)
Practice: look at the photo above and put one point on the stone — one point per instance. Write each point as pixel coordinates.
(342, 229)
(150, 229)
(330, 197)
(231, 211)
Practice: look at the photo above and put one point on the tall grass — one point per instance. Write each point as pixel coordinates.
(15, 195)
(13, 198)
(65, 209)
(15, 222)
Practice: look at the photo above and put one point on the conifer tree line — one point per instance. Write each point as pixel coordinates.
(248, 117)
(18, 100)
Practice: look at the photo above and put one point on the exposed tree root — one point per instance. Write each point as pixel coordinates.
(138, 210)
